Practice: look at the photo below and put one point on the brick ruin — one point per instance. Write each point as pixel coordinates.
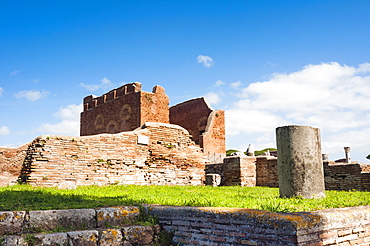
(123, 109)
(126, 138)
(128, 107)
(154, 154)
(263, 171)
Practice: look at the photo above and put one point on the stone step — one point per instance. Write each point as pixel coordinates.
(127, 236)
(101, 226)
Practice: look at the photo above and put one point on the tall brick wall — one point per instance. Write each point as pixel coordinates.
(169, 157)
(123, 109)
(206, 126)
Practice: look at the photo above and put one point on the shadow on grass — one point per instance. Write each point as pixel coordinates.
(26, 200)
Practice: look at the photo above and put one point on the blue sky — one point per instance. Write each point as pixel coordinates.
(267, 63)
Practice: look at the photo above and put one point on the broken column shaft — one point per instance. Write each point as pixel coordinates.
(300, 165)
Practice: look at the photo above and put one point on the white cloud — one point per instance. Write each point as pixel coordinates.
(71, 112)
(1, 91)
(212, 98)
(105, 83)
(330, 96)
(4, 130)
(219, 83)
(205, 60)
(32, 95)
(12, 73)
(70, 124)
(236, 85)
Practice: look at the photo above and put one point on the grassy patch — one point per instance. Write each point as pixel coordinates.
(25, 197)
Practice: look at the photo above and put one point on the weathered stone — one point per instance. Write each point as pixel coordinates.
(11, 221)
(67, 185)
(213, 179)
(141, 235)
(300, 162)
(69, 219)
(14, 241)
(115, 216)
(83, 238)
(110, 237)
(52, 239)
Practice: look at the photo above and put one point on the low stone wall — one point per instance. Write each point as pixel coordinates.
(263, 171)
(239, 171)
(233, 226)
(343, 176)
(246, 171)
(189, 225)
(155, 154)
(103, 226)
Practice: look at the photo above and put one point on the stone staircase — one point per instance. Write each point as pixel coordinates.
(108, 226)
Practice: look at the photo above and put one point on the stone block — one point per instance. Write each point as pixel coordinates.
(141, 235)
(115, 216)
(69, 219)
(83, 238)
(52, 239)
(213, 179)
(110, 237)
(14, 240)
(11, 221)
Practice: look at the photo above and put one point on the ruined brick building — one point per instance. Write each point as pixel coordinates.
(128, 136)
(128, 107)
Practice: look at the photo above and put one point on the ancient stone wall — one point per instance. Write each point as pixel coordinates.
(237, 226)
(344, 176)
(338, 176)
(11, 161)
(190, 226)
(246, 171)
(123, 109)
(157, 153)
(107, 226)
(206, 126)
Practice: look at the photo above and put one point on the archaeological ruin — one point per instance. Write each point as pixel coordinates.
(129, 136)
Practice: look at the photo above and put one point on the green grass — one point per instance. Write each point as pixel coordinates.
(25, 197)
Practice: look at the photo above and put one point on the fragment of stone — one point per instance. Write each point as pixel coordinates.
(11, 222)
(52, 239)
(141, 235)
(14, 240)
(116, 216)
(110, 237)
(71, 219)
(83, 238)
(67, 185)
(213, 179)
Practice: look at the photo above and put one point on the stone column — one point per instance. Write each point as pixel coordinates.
(348, 157)
(300, 164)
